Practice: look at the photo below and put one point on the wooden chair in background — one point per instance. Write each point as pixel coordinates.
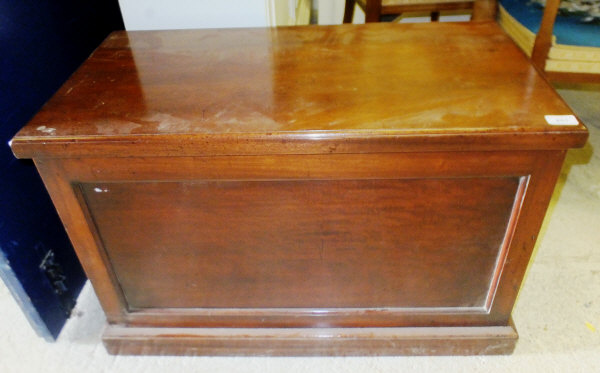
(543, 44)
(374, 9)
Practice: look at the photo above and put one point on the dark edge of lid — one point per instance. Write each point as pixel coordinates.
(317, 142)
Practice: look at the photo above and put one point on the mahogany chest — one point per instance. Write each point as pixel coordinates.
(340, 190)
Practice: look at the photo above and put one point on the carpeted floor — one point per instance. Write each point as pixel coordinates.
(557, 313)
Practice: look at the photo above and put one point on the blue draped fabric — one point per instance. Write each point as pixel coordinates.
(570, 28)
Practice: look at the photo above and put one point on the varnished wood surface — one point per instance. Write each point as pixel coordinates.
(61, 174)
(427, 7)
(223, 179)
(285, 90)
(573, 78)
(490, 340)
(484, 10)
(304, 243)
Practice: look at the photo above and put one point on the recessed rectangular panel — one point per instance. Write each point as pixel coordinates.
(304, 243)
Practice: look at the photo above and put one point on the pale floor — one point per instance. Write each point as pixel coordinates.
(557, 313)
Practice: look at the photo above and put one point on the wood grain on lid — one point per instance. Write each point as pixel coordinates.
(430, 85)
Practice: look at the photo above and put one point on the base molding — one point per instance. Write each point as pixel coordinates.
(479, 340)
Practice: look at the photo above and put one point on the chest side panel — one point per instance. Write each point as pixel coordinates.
(304, 243)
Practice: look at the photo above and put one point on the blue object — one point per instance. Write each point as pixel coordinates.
(569, 29)
(42, 43)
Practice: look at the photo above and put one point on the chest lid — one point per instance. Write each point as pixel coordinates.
(302, 90)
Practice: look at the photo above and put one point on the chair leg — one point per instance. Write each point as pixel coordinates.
(373, 11)
(349, 11)
(435, 16)
(543, 40)
(484, 10)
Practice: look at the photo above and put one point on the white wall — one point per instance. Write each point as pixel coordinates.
(185, 14)
(182, 14)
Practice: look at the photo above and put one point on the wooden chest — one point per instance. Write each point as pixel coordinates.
(337, 190)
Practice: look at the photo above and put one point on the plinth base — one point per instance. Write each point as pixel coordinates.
(487, 340)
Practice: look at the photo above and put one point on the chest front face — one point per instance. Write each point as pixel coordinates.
(304, 190)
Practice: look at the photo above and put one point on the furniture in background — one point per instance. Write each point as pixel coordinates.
(375, 9)
(563, 43)
(388, 204)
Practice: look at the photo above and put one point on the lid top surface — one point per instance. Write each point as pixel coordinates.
(379, 78)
